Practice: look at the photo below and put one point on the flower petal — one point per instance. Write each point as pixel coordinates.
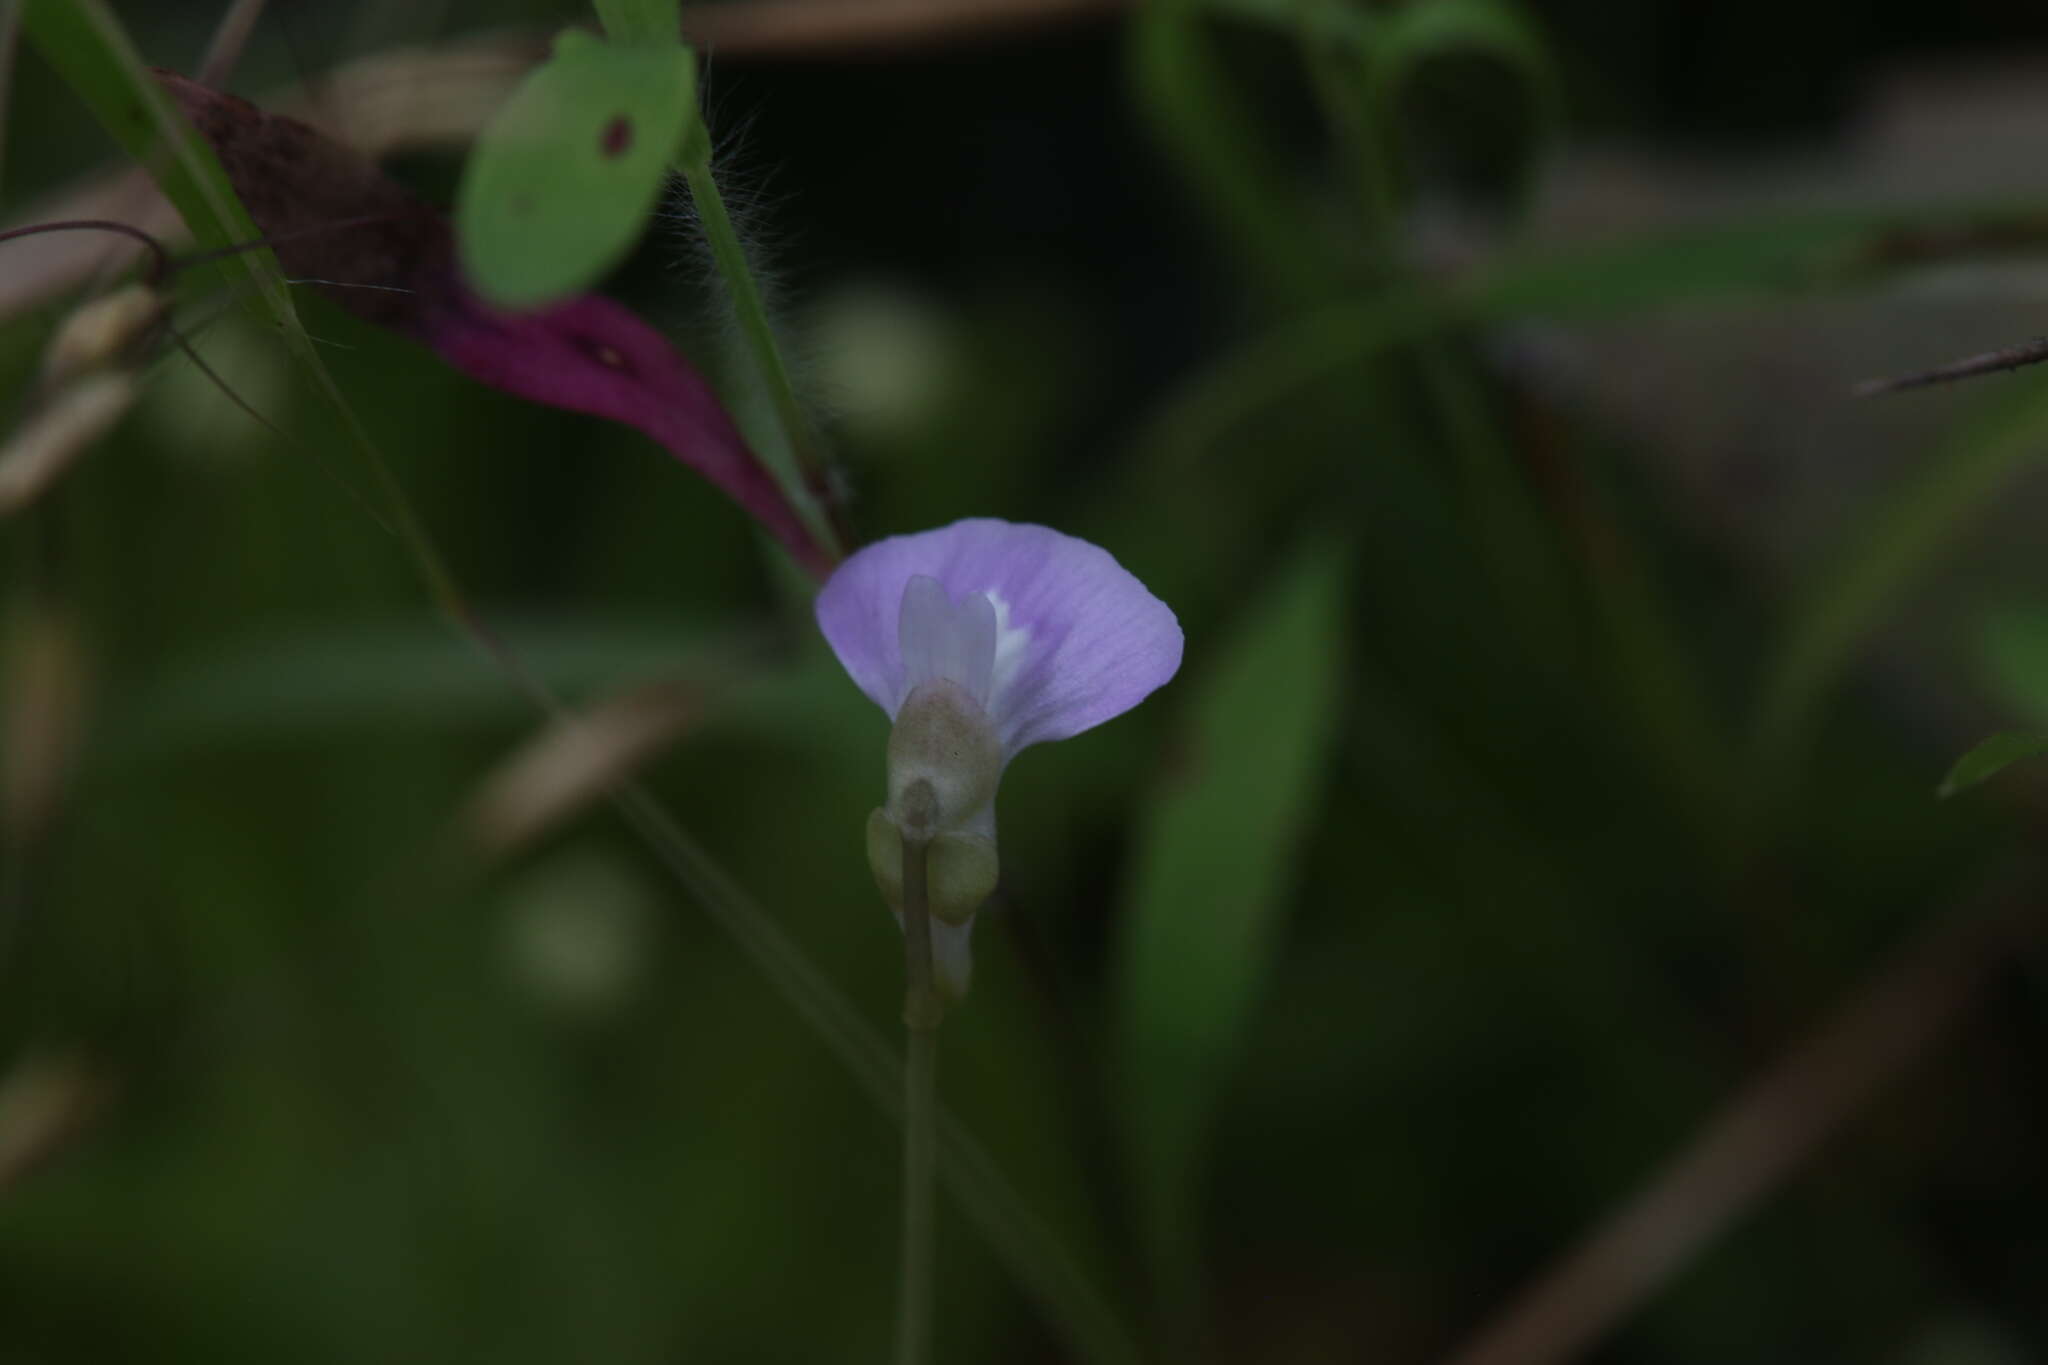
(941, 638)
(953, 958)
(1078, 639)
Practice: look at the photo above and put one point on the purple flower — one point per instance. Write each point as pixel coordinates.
(980, 639)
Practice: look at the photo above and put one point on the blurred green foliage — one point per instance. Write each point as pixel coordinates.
(1500, 827)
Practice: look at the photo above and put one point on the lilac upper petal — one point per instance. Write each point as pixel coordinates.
(1089, 641)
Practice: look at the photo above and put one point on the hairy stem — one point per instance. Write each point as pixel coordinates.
(808, 482)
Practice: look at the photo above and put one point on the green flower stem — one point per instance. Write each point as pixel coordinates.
(922, 1010)
(802, 469)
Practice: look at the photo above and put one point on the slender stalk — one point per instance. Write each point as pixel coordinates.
(922, 1009)
(809, 482)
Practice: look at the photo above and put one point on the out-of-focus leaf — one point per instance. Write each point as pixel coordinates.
(1414, 34)
(641, 21)
(2015, 651)
(1414, 37)
(1210, 880)
(1622, 278)
(1208, 127)
(561, 183)
(1992, 757)
(86, 45)
(1894, 543)
(315, 682)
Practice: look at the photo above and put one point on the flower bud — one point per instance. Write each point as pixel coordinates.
(944, 743)
(960, 869)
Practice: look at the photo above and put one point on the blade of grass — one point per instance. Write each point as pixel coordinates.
(87, 45)
(1615, 280)
(1992, 757)
(1208, 890)
(1358, 71)
(1205, 124)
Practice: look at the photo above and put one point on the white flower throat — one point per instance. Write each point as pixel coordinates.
(970, 643)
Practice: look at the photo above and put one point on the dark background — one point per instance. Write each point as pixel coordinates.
(306, 1076)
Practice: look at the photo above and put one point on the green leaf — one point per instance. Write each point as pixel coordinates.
(1210, 882)
(1992, 757)
(561, 184)
(641, 21)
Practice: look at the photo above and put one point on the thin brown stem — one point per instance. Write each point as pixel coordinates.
(1766, 1133)
(161, 259)
(1969, 367)
(230, 36)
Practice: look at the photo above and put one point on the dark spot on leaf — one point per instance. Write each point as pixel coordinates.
(522, 204)
(618, 136)
(604, 353)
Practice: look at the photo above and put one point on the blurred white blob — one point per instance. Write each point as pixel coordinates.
(571, 763)
(193, 420)
(577, 931)
(884, 356)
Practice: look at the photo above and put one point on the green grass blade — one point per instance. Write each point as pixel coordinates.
(1992, 757)
(1210, 130)
(1881, 557)
(1209, 884)
(87, 46)
(1619, 279)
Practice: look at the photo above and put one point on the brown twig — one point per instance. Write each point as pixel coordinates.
(230, 36)
(1766, 1133)
(1969, 367)
(47, 1101)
